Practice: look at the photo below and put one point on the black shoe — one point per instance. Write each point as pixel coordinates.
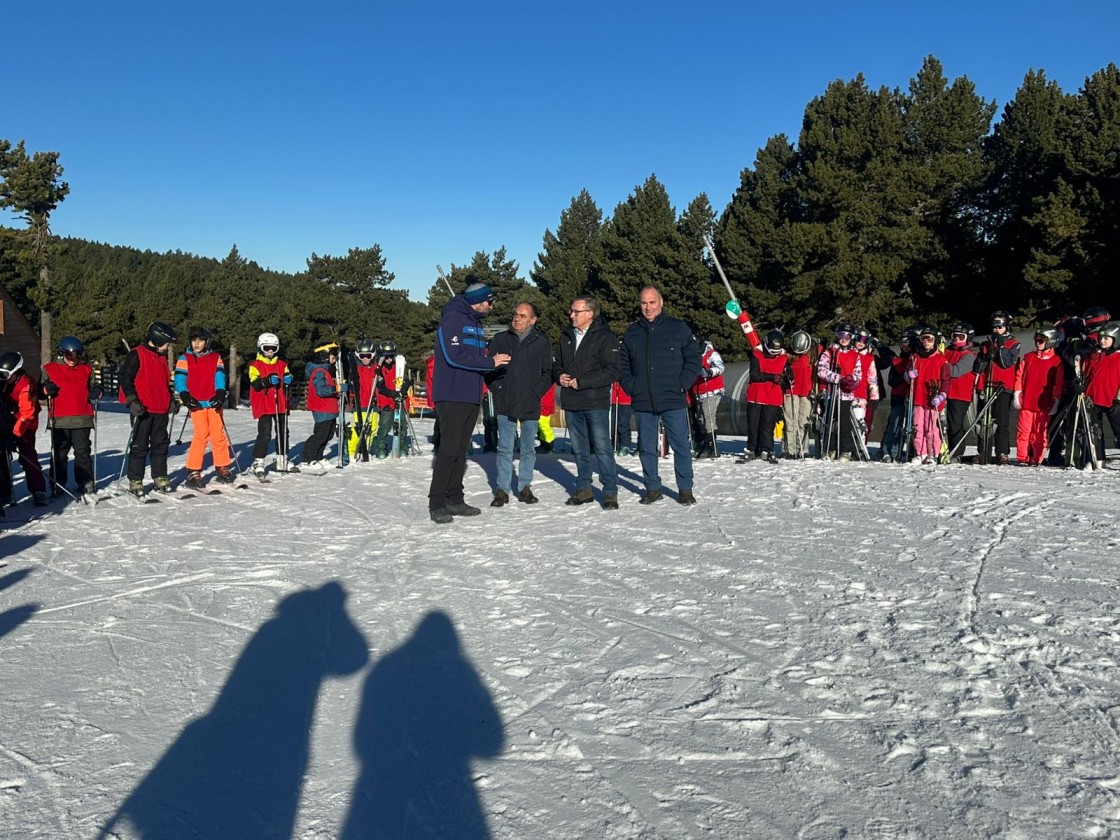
(580, 497)
(441, 516)
(463, 509)
(526, 496)
(650, 497)
(685, 497)
(610, 502)
(544, 448)
(501, 497)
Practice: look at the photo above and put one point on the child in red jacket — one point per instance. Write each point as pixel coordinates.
(19, 420)
(1038, 387)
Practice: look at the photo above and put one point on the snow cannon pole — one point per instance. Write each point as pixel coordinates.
(446, 282)
(734, 309)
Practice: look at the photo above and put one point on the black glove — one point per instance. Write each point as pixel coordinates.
(50, 388)
(190, 402)
(218, 400)
(136, 408)
(786, 380)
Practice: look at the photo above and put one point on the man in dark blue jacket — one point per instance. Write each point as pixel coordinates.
(660, 359)
(517, 389)
(461, 362)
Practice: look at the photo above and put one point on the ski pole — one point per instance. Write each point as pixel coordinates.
(229, 440)
(183, 428)
(93, 462)
(127, 448)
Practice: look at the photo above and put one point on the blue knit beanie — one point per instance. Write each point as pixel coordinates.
(478, 293)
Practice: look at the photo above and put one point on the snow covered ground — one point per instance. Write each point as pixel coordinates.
(815, 650)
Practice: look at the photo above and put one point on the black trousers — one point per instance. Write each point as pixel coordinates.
(456, 424)
(62, 441)
(1001, 417)
(264, 435)
(321, 434)
(761, 420)
(956, 417)
(1100, 415)
(150, 437)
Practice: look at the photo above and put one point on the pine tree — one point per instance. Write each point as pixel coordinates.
(566, 265)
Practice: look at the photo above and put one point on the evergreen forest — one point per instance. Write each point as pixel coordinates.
(890, 207)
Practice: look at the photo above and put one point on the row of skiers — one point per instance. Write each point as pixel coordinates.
(154, 391)
(1063, 389)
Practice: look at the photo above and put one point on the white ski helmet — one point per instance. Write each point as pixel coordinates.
(268, 340)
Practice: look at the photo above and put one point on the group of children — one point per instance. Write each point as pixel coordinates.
(935, 386)
(153, 390)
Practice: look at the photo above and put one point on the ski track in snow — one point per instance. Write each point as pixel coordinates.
(816, 650)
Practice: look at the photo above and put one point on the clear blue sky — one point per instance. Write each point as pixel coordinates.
(437, 129)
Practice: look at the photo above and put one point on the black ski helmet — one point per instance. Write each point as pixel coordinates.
(200, 332)
(11, 363)
(1001, 318)
(70, 347)
(366, 345)
(387, 348)
(862, 335)
(774, 342)
(160, 333)
(908, 337)
(800, 342)
(1095, 316)
(845, 329)
(929, 330)
(964, 329)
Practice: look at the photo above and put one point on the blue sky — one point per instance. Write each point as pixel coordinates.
(437, 129)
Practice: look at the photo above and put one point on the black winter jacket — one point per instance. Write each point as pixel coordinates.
(519, 386)
(660, 360)
(594, 366)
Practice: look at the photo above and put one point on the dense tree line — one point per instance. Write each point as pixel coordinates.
(892, 207)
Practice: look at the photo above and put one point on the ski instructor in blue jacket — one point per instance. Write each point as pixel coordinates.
(660, 359)
(461, 363)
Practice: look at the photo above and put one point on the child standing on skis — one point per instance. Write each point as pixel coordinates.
(71, 388)
(322, 402)
(363, 416)
(269, 379)
(929, 377)
(146, 388)
(200, 381)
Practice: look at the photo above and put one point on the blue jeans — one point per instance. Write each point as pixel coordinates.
(675, 422)
(590, 431)
(507, 431)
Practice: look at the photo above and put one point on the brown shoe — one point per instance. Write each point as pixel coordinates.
(650, 497)
(501, 497)
(610, 502)
(526, 496)
(580, 497)
(685, 497)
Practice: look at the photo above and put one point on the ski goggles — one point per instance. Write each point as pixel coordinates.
(999, 322)
(366, 357)
(270, 349)
(843, 335)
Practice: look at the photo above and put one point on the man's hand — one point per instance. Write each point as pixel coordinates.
(501, 359)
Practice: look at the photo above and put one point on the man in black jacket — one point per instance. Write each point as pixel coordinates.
(660, 359)
(586, 366)
(517, 389)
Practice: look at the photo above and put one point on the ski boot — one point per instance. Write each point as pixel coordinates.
(285, 466)
(257, 468)
(39, 498)
(224, 475)
(163, 485)
(89, 489)
(194, 480)
(136, 487)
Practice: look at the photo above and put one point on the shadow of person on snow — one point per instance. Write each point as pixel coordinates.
(237, 771)
(13, 618)
(425, 715)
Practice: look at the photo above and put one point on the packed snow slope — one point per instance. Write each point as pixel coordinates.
(815, 650)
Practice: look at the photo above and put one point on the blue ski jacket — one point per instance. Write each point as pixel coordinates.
(660, 360)
(461, 359)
